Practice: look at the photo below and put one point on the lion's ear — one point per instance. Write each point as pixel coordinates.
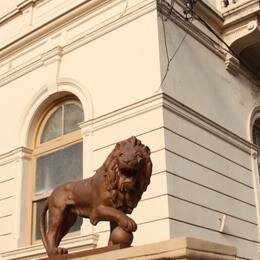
(132, 140)
(148, 150)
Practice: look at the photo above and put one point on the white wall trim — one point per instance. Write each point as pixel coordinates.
(14, 155)
(37, 251)
(163, 100)
(155, 101)
(11, 69)
(45, 93)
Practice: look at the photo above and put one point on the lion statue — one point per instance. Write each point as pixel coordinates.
(111, 193)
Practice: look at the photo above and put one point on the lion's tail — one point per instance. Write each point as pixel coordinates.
(43, 223)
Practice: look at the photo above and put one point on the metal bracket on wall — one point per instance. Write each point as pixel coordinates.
(222, 221)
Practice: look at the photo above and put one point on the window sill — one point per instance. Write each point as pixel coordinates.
(37, 251)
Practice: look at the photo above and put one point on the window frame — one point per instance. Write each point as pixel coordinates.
(50, 146)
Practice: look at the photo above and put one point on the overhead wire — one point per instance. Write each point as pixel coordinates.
(167, 14)
(229, 48)
(217, 46)
(170, 58)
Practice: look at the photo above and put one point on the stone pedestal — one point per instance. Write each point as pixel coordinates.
(185, 248)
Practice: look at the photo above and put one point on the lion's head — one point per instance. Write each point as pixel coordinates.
(128, 170)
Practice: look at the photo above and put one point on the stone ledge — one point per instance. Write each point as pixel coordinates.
(37, 251)
(185, 248)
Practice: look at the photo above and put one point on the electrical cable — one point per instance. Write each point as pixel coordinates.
(170, 59)
(216, 45)
(230, 51)
(197, 17)
(215, 34)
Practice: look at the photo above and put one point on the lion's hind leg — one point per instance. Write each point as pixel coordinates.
(68, 220)
(56, 217)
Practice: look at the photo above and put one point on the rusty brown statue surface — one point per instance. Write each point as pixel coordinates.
(111, 193)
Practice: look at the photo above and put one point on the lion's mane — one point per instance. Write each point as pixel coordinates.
(122, 198)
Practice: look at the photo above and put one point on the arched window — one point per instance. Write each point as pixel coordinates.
(256, 140)
(57, 155)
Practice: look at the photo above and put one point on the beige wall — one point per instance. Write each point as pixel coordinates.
(210, 171)
(97, 53)
(111, 55)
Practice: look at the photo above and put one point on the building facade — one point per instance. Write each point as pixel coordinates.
(78, 76)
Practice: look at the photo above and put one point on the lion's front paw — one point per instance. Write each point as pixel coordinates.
(127, 224)
(57, 251)
(62, 251)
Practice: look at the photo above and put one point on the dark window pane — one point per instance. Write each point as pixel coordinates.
(76, 225)
(39, 205)
(73, 115)
(58, 167)
(53, 127)
(38, 208)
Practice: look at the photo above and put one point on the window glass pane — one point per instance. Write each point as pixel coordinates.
(76, 225)
(38, 205)
(58, 167)
(73, 115)
(53, 127)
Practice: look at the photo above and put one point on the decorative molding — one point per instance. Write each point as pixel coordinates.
(112, 23)
(17, 10)
(26, 3)
(59, 22)
(67, 44)
(9, 15)
(240, 10)
(122, 114)
(15, 154)
(210, 126)
(37, 251)
(156, 101)
(162, 100)
(191, 29)
(206, 38)
(232, 64)
(38, 103)
(53, 55)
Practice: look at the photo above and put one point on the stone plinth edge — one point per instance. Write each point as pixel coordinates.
(180, 248)
(73, 244)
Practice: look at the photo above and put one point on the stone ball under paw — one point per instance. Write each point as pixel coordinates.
(122, 237)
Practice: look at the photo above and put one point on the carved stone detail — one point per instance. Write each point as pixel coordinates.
(232, 64)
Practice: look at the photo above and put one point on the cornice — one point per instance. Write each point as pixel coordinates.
(17, 10)
(205, 123)
(48, 27)
(25, 3)
(232, 64)
(208, 40)
(85, 8)
(191, 29)
(210, 14)
(140, 107)
(240, 11)
(84, 13)
(9, 15)
(15, 154)
(164, 101)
